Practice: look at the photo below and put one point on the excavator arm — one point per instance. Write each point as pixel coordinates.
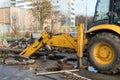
(64, 40)
(40, 42)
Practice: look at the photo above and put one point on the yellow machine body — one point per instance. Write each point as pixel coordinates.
(103, 53)
(109, 27)
(79, 43)
(99, 40)
(64, 40)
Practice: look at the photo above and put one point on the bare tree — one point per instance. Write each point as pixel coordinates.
(81, 19)
(63, 21)
(41, 10)
(14, 26)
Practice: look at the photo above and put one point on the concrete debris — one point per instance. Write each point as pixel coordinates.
(5, 43)
(53, 68)
(73, 76)
(66, 65)
(13, 62)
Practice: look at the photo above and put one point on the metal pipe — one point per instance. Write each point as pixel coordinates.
(55, 72)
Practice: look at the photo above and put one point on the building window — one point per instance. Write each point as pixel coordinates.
(26, 0)
(57, 1)
(72, 13)
(72, 4)
(72, 18)
(72, 23)
(73, 9)
(13, 3)
(29, 5)
(20, 1)
(13, 0)
(20, 6)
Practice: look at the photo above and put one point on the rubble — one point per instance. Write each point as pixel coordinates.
(72, 76)
(16, 62)
(53, 68)
(57, 64)
(46, 68)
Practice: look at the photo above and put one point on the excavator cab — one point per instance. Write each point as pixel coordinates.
(107, 11)
(117, 10)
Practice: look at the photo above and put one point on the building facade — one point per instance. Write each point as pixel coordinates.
(64, 7)
(27, 4)
(67, 9)
(18, 3)
(7, 3)
(17, 18)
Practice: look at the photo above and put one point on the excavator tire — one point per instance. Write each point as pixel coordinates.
(104, 52)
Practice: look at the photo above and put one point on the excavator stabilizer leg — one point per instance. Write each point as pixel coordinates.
(80, 43)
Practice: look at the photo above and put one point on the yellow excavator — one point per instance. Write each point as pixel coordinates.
(101, 41)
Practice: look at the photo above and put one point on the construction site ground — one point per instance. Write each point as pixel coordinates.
(11, 71)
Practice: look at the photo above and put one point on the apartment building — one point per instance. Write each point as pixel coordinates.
(7, 3)
(18, 3)
(27, 4)
(66, 8)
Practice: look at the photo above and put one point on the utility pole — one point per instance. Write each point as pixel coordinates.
(86, 22)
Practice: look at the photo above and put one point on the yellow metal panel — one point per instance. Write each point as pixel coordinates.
(36, 45)
(80, 43)
(64, 40)
(103, 53)
(112, 27)
(80, 40)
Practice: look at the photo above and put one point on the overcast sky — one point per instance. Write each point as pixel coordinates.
(81, 7)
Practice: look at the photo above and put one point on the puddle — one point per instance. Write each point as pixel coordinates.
(14, 73)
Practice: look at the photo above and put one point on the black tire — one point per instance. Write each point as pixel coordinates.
(114, 42)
